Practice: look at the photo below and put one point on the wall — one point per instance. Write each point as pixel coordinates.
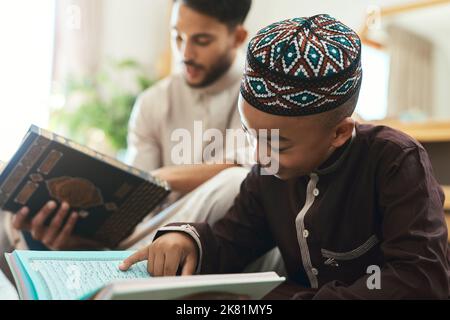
(441, 79)
(136, 29)
(139, 28)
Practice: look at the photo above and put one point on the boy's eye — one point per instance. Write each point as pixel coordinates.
(280, 150)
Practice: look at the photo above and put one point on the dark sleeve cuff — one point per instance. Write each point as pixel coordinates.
(188, 229)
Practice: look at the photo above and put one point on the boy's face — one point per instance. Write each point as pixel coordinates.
(203, 45)
(304, 142)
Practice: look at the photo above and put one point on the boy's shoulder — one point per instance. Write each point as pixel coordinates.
(385, 137)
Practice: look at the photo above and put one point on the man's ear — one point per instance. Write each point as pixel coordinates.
(342, 132)
(240, 35)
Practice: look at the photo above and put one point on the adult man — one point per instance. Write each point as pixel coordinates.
(354, 209)
(206, 37)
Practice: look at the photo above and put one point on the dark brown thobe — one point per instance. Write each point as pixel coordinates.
(374, 205)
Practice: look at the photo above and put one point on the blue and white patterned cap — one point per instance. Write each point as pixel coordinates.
(302, 66)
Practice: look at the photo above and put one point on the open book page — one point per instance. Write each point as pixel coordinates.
(55, 275)
(74, 275)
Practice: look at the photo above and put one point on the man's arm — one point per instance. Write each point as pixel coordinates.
(144, 141)
(185, 178)
(144, 147)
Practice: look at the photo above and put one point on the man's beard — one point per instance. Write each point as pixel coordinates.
(216, 71)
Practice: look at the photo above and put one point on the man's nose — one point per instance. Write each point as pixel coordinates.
(188, 51)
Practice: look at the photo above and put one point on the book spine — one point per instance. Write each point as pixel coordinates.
(19, 167)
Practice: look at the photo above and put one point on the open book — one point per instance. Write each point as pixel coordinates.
(60, 275)
(110, 197)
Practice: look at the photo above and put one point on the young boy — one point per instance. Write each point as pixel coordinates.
(354, 209)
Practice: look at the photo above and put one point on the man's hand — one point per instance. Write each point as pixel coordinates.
(56, 236)
(166, 255)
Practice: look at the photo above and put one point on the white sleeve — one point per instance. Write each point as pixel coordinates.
(144, 141)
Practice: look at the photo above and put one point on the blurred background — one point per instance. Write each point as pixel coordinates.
(76, 66)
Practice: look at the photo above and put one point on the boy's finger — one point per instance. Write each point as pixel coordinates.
(158, 264)
(141, 255)
(171, 263)
(189, 265)
(20, 219)
(150, 260)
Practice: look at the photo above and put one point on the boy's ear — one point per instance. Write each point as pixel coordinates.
(342, 132)
(240, 35)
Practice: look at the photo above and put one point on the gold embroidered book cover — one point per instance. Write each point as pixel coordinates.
(110, 197)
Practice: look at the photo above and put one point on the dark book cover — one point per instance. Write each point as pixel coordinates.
(110, 197)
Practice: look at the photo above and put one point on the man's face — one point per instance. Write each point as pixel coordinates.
(203, 45)
(304, 142)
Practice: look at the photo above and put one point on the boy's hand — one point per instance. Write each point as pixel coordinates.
(166, 255)
(56, 236)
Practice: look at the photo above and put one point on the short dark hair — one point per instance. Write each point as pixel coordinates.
(229, 12)
(333, 117)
